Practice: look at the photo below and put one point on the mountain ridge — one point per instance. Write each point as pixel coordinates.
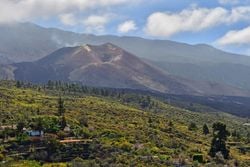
(30, 42)
(55, 36)
(108, 65)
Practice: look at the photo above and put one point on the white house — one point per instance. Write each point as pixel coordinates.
(34, 133)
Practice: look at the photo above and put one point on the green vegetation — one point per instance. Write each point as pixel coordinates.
(192, 126)
(102, 127)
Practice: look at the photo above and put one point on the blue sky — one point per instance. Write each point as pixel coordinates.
(222, 23)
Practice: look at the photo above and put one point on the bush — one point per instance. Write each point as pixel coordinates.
(22, 138)
(39, 156)
(84, 121)
(164, 157)
(1, 157)
(192, 126)
(198, 157)
(61, 135)
(53, 145)
(155, 150)
(219, 158)
(50, 124)
(78, 162)
(23, 164)
(125, 145)
(85, 133)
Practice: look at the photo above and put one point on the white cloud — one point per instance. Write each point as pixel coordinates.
(95, 20)
(96, 23)
(68, 19)
(26, 10)
(127, 26)
(232, 2)
(193, 20)
(235, 37)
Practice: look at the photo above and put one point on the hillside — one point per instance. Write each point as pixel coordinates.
(102, 66)
(30, 47)
(110, 66)
(124, 127)
(198, 62)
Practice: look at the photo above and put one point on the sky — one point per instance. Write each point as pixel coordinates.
(224, 24)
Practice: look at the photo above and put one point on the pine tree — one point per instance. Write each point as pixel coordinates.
(20, 126)
(38, 111)
(63, 122)
(50, 84)
(61, 109)
(248, 137)
(220, 134)
(205, 129)
(18, 84)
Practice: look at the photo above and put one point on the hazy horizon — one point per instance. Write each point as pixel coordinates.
(223, 24)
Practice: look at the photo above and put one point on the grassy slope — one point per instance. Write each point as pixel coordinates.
(128, 124)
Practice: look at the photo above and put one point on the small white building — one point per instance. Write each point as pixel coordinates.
(35, 133)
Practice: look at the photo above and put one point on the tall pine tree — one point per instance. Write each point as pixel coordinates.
(205, 129)
(61, 109)
(220, 134)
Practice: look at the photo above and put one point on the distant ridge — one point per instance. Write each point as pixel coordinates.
(29, 42)
(108, 65)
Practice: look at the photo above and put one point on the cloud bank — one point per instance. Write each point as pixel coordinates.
(232, 2)
(127, 26)
(193, 20)
(26, 10)
(238, 37)
(96, 23)
(68, 19)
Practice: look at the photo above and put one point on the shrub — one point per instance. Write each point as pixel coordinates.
(198, 157)
(84, 121)
(192, 126)
(39, 156)
(85, 133)
(61, 135)
(1, 157)
(164, 157)
(125, 145)
(78, 162)
(22, 138)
